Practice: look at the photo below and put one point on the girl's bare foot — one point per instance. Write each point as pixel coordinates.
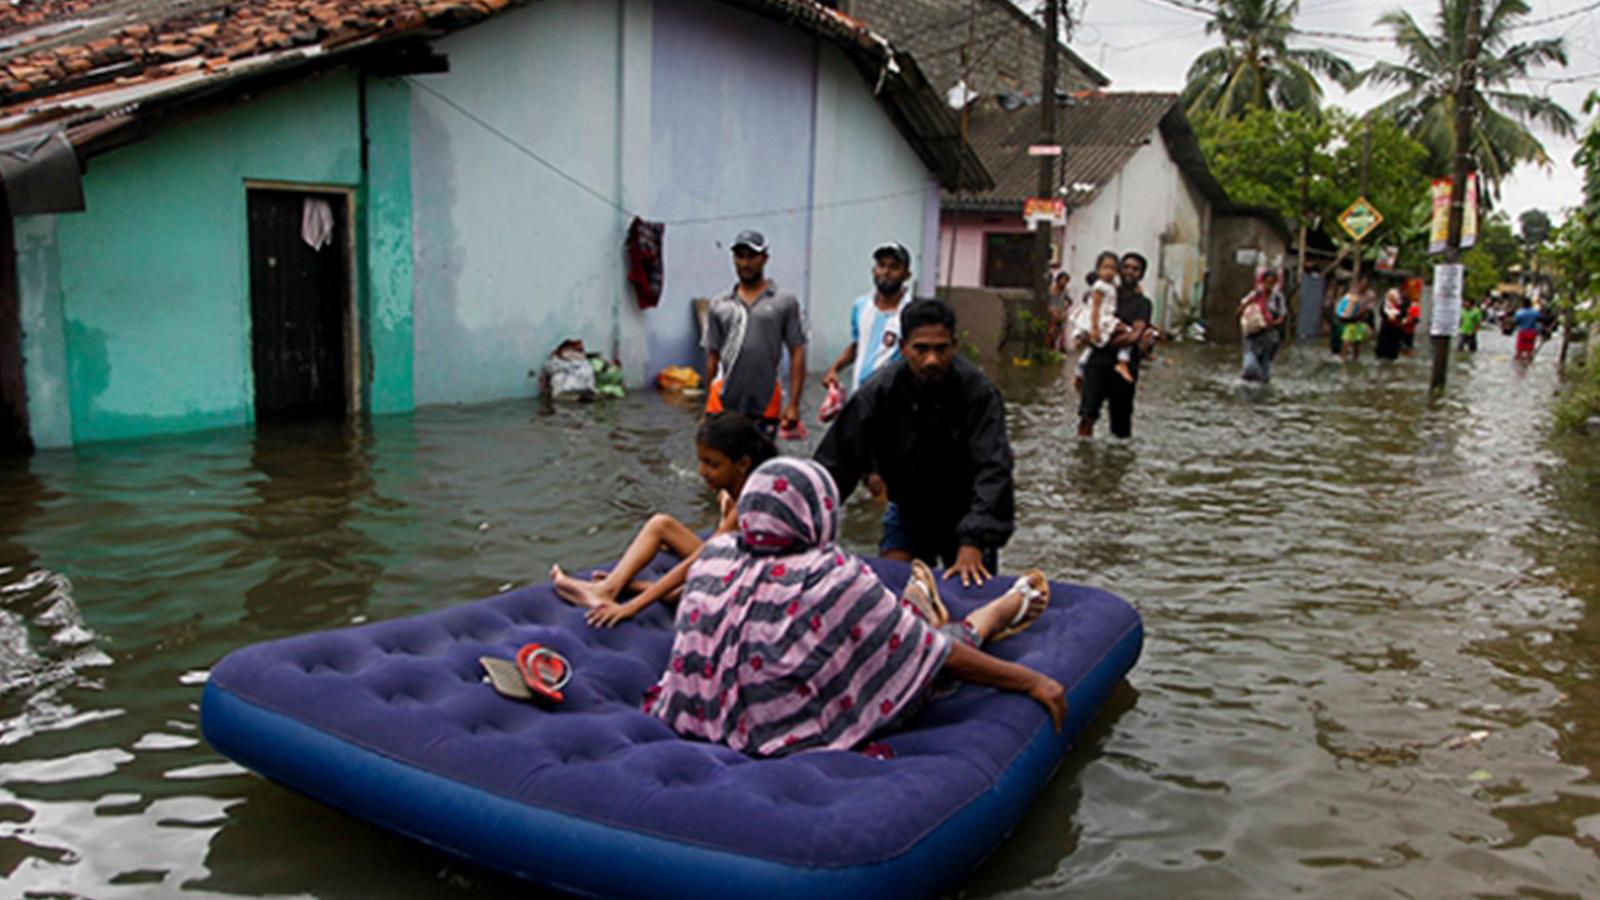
(1124, 371)
(577, 591)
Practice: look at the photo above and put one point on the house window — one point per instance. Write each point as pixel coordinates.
(1008, 260)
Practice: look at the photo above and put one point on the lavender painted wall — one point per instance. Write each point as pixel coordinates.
(731, 117)
(511, 255)
(869, 187)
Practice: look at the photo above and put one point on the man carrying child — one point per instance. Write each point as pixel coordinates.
(1103, 383)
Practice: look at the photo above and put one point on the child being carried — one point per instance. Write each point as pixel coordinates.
(1094, 319)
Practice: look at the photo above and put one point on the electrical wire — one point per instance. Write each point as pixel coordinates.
(602, 198)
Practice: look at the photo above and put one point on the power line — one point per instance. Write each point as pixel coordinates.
(1566, 79)
(1210, 13)
(1534, 23)
(608, 201)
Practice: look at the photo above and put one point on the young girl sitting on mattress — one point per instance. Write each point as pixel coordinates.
(729, 447)
(786, 643)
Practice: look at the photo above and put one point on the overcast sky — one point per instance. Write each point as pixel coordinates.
(1148, 45)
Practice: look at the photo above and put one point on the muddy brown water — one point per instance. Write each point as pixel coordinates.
(1369, 670)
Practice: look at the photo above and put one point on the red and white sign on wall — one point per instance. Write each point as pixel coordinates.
(1045, 209)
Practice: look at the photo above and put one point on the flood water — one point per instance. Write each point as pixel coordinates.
(1370, 665)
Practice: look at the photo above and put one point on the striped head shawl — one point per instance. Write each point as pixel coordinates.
(784, 641)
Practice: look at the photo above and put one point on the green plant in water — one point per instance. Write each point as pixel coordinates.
(1034, 330)
(969, 347)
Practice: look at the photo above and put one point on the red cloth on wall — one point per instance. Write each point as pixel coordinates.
(644, 260)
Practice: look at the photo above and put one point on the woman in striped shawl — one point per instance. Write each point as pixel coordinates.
(785, 642)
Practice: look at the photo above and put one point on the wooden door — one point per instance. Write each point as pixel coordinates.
(1008, 260)
(14, 437)
(299, 302)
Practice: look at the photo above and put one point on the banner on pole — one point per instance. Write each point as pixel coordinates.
(1469, 213)
(1439, 231)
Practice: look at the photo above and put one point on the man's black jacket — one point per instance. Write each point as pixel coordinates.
(941, 449)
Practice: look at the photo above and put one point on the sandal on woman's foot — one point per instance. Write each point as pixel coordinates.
(1035, 591)
(922, 590)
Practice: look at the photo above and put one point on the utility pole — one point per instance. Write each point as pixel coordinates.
(1466, 81)
(1366, 157)
(1047, 135)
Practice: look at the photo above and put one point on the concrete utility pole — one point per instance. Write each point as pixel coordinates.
(1047, 135)
(1466, 80)
(1366, 158)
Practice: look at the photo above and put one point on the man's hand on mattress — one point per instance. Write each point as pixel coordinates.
(969, 565)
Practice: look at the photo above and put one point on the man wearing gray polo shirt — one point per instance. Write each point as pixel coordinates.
(747, 330)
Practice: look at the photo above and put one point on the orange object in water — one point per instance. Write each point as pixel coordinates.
(714, 401)
(678, 378)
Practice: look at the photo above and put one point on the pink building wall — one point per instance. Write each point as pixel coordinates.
(961, 239)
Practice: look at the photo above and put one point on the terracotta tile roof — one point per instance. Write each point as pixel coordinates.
(66, 61)
(51, 47)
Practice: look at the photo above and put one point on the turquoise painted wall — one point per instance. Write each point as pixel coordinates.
(44, 345)
(511, 257)
(862, 199)
(154, 276)
(385, 240)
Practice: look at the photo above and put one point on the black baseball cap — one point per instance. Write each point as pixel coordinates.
(894, 249)
(754, 241)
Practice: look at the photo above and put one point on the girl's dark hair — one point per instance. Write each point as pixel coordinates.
(1094, 273)
(736, 437)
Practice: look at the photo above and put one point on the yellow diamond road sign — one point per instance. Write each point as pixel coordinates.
(1360, 218)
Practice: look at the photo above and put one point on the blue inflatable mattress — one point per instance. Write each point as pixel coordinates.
(392, 722)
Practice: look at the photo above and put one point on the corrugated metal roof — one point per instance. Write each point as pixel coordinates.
(1099, 132)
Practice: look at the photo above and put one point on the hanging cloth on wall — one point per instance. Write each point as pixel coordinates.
(645, 268)
(316, 223)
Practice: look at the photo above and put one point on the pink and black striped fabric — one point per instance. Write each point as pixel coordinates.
(785, 642)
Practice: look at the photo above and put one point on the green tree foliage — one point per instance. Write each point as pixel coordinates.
(1308, 167)
(1425, 103)
(1482, 274)
(1587, 159)
(1573, 253)
(1255, 68)
(1535, 228)
(1574, 248)
(1499, 242)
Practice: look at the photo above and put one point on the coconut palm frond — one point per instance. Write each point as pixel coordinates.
(1424, 102)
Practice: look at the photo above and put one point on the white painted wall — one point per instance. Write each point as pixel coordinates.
(1149, 196)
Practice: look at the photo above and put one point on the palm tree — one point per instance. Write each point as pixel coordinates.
(1255, 68)
(1425, 105)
